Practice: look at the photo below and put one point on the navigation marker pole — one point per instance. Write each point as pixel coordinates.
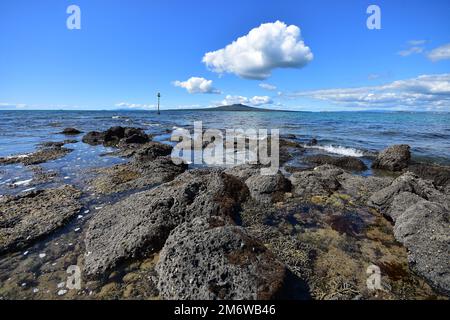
(159, 96)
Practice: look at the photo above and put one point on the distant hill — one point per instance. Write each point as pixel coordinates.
(234, 107)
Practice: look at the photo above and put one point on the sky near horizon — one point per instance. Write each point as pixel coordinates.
(293, 55)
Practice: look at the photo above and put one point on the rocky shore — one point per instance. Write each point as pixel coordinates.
(151, 229)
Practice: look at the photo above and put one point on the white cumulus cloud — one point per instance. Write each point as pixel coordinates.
(254, 101)
(197, 85)
(425, 92)
(440, 53)
(255, 55)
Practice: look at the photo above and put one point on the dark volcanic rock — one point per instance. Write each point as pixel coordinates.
(424, 229)
(348, 163)
(263, 188)
(394, 158)
(312, 142)
(117, 136)
(361, 188)
(71, 131)
(136, 175)
(322, 180)
(421, 216)
(408, 182)
(142, 222)
(27, 217)
(268, 188)
(93, 138)
(40, 156)
(151, 151)
(208, 259)
(113, 135)
(51, 144)
(440, 175)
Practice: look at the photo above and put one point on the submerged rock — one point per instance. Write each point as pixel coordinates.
(40, 156)
(71, 131)
(393, 158)
(348, 163)
(142, 222)
(207, 258)
(27, 217)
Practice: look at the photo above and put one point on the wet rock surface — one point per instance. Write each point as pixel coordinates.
(116, 136)
(149, 229)
(394, 158)
(142, 222)
(348, 163)
(71, 131)
(27, 217)
(207, 258)
(44, 154)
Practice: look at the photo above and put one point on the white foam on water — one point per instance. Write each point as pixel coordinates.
(23, 182)
(344, 151)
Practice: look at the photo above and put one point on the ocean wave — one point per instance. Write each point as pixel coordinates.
(344, 151)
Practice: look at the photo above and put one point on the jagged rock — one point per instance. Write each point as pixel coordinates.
(312, 142)
(400, 203)
(348, 163)
(93, 138)
(207, 259)
(440, 175)
(360, 187)
(421, 216)
(407, 182)
(27, 217)
(116, 136)
(263, 188)
(244, 171)
(423, 229)
(40, 156)
(136, 175)
(151, 151)
(71, 131)
(268, 188)
(320, 181)
(142, 222)
(393, 158)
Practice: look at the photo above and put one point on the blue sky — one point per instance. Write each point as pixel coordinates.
(127, 51)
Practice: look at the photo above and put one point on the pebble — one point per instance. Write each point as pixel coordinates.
(42, 255)
(62, 292)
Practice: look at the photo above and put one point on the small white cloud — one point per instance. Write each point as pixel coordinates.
(440, 53)
(127, 105)
(254, 101)
(255, 55)
(197, 85)
(267, 86)
(416, 42)
(410, 51)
